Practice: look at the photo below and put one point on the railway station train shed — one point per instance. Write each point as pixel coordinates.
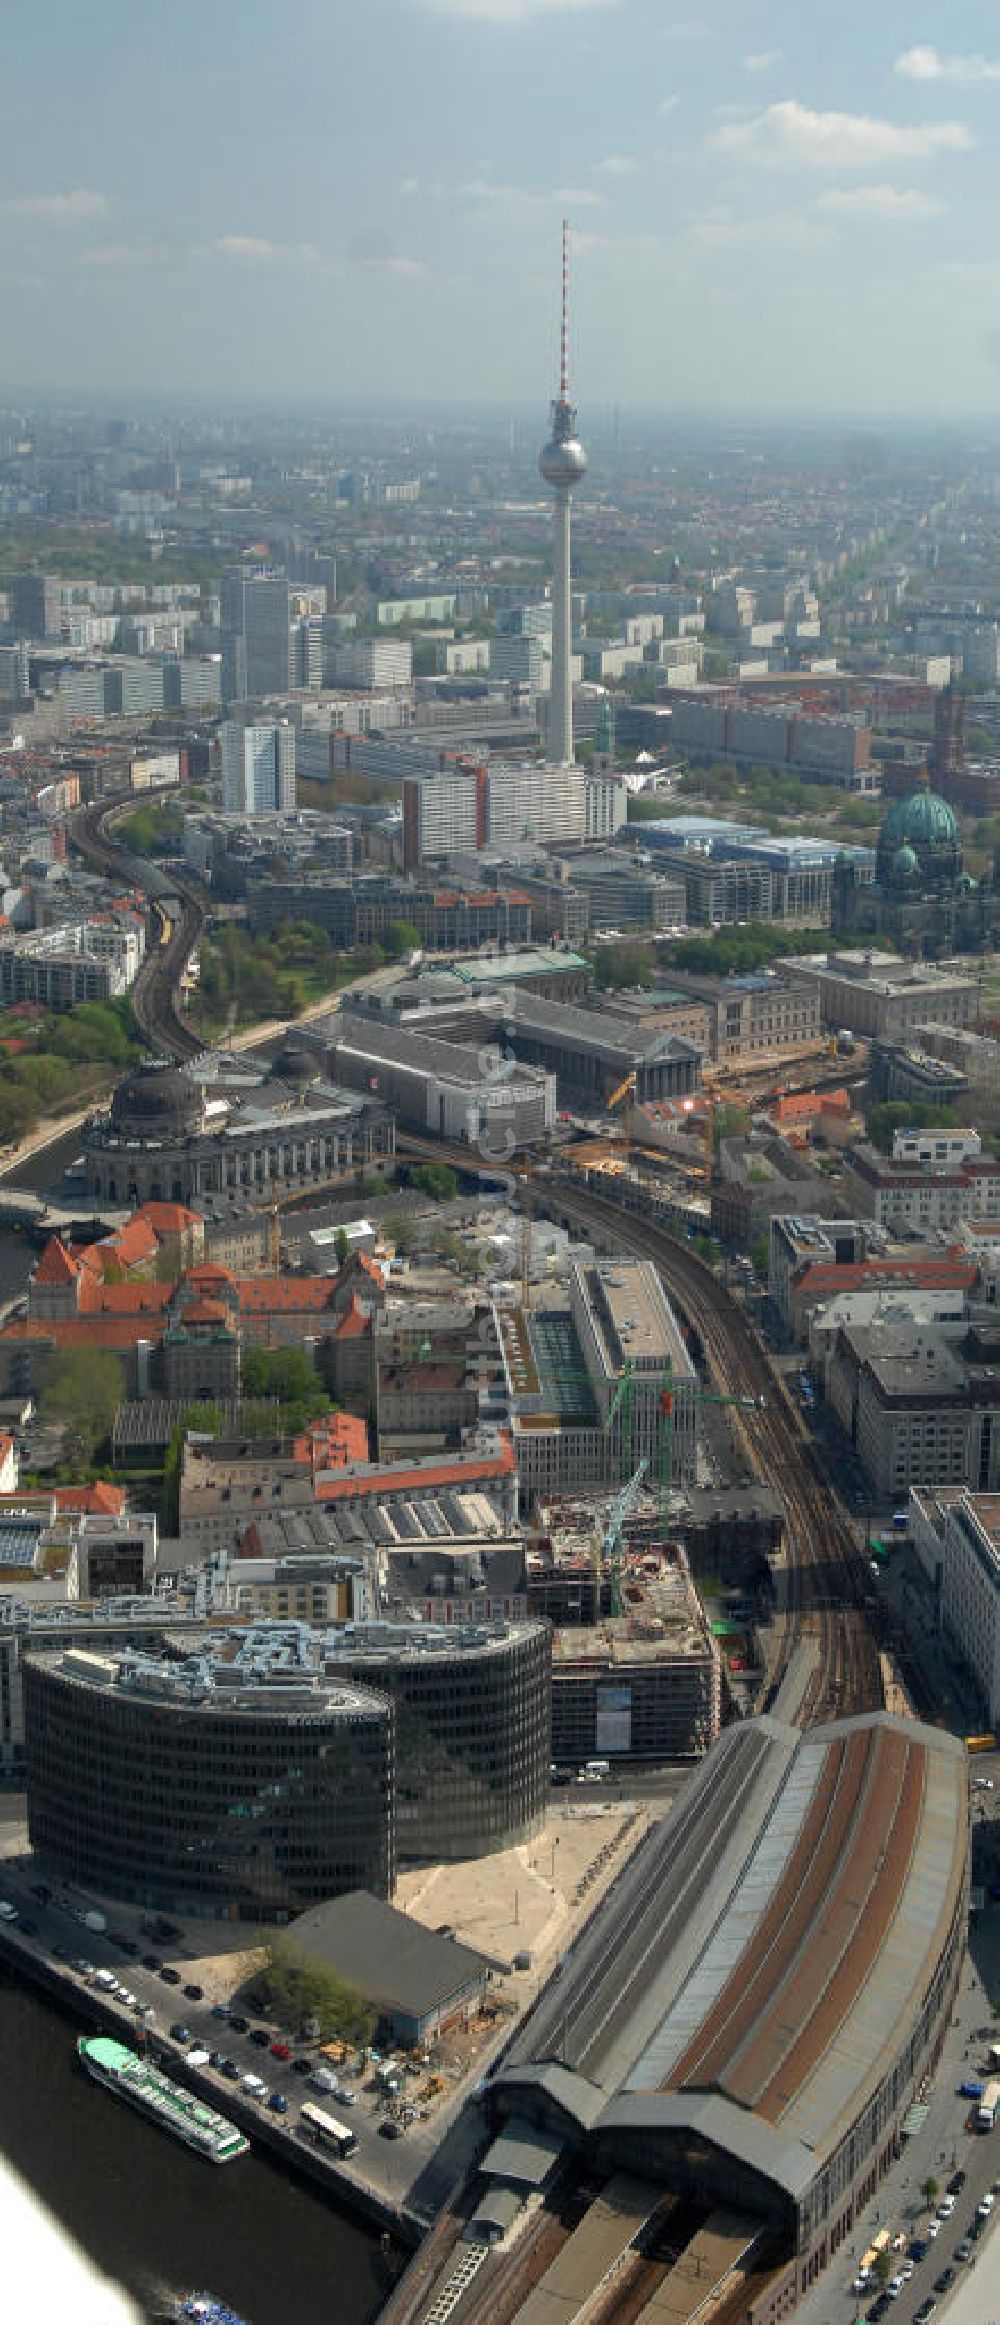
(749, 2015)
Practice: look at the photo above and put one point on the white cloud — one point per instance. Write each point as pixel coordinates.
(409, 185)
(59, 209)
(530, 201)
(790, 133)
(877, 202)
(761, 60)
(667, 105)
(927, 64)
(618, 165)
(258, 250)
(511, 11)
(722, 228)
(687, 28)
(110, 257)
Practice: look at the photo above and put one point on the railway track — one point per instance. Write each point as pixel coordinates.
(825, 1570)
(154, 994)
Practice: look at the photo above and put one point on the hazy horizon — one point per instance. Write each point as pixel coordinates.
(763, 223)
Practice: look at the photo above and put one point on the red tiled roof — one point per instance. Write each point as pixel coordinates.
(203, 1312)
(114, 1333)
(392, 1478)
(99, 1500)
(168, 1218)
(265, 1295)
(353, 1324)
(131, 1245)
(57, 1265)
(926, 1275)
(206, 1273)
(333, 1441)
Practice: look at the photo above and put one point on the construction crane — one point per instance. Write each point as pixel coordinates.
(526, 1191)
(610, 1547)
(625, 1092)
(665, 1463)
(622, 1402)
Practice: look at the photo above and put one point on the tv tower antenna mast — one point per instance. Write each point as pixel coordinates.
(562, 463)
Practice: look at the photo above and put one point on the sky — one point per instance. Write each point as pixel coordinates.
(780, 210)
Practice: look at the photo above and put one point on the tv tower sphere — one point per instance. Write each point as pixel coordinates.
(562, 460)
(562, 463)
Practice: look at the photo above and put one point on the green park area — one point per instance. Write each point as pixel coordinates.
(51, 1064)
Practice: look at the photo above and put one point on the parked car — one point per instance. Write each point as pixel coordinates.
(956, 2183)
(260, 2036)
(278, 2103)
(217, 2060)
(391, 2130)
(230, 2068)
(151, 1962)
(170, 1977)
(302, 2066)
(985, 2205)
(220, 2010)
(239, 2025)
(179, 2032)
(963, 2251)
(194, 1993)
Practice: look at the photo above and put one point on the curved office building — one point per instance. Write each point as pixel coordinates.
(207, 1786)
(473, 1728)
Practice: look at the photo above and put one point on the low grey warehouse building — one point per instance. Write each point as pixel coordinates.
(419, 1980)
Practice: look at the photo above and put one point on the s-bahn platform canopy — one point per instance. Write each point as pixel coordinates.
(765, 1969)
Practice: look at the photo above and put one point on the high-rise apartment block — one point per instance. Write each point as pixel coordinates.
(35, 605)
(258, 767)
(257, 644)
(372, 662)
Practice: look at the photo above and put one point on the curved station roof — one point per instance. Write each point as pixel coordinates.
(755, 1975)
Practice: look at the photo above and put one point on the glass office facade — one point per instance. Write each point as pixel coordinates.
(249, 1807)
(473, 1732)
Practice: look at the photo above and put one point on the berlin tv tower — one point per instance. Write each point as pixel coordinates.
(562, 462)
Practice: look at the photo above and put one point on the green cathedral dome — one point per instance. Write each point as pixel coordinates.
(922, 818)
(922, 827)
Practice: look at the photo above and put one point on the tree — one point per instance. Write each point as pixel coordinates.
(437, 1180)
(400, 938)
(297, 1988)
(882, 1120)
(616, 966)
(341, 1246)
(84, 1389)
(760, 1253)
(882, 2267)
(729, 1121)
(285, 1373)
(929, 2190)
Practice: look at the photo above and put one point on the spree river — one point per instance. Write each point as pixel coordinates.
(158, 2218)
(147, 2211)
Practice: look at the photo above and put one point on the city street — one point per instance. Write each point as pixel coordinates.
(944, 2145)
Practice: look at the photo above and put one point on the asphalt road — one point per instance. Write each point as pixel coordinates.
(945, 2144)
(58, 1934)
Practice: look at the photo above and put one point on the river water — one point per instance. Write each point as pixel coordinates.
(158, 2218)
(146, 2210)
